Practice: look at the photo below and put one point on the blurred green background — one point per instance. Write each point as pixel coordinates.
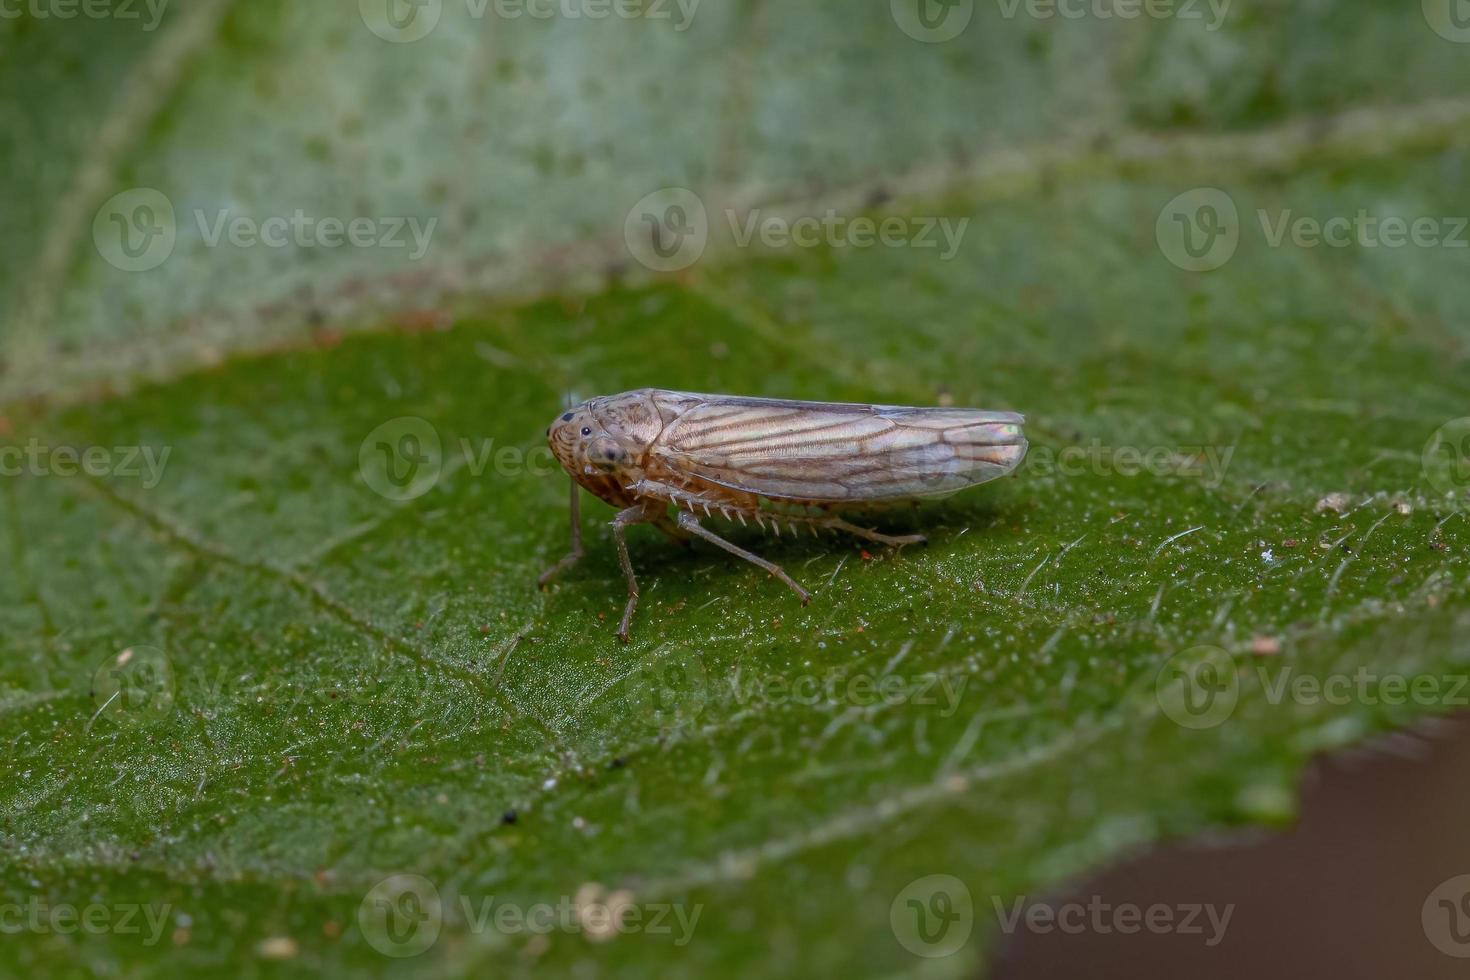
(299, 705)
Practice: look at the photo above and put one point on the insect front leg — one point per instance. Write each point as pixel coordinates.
(620, 522)
(575, 555)
(690, 523)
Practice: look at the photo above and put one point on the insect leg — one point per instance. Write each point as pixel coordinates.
(633, 515)
(575, 555)
(691, 524)
(831, 520)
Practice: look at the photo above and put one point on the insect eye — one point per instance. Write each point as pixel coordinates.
(586, 431)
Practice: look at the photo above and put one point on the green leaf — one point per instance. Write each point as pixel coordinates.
(250, 689)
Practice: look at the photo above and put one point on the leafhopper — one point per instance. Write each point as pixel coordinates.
(788, 464)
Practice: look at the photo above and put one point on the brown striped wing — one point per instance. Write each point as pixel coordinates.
(834, 452)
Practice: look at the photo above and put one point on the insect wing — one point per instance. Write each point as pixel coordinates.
(823, 451)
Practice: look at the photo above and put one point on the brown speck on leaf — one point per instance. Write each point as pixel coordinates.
(331, 928)
(1265, 646)
(1290, 543)
(421, 321)
(865, 555)
(324, 338)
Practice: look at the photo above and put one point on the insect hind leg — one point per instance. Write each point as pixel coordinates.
(833, 521)
(690, 523)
